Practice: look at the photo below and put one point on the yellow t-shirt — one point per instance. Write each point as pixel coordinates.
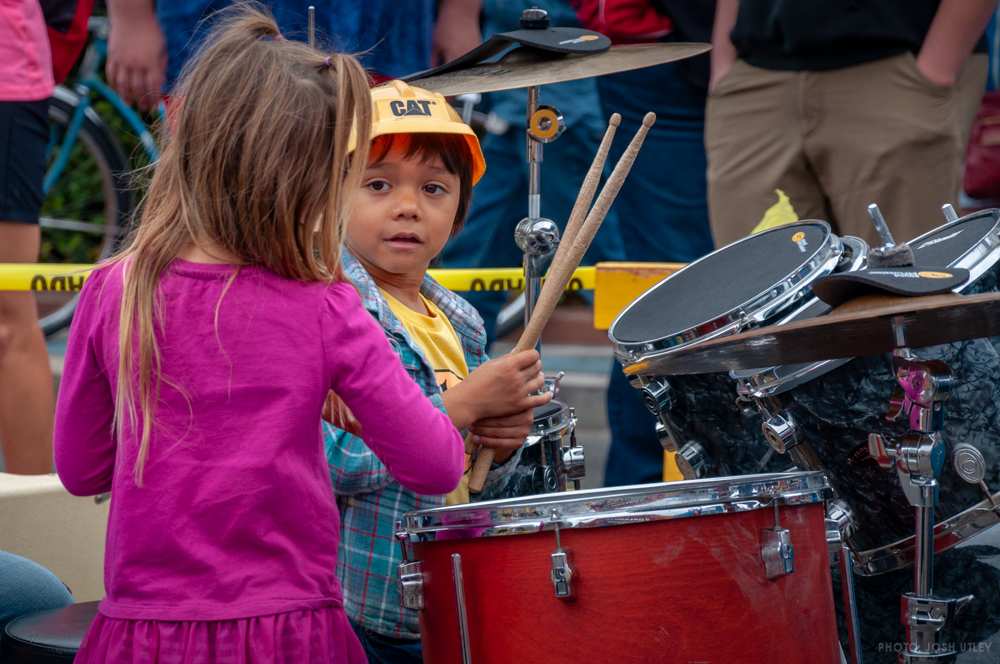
(437, 339)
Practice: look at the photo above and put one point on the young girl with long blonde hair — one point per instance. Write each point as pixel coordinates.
(200, 358)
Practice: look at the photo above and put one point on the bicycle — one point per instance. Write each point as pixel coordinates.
(88, 198)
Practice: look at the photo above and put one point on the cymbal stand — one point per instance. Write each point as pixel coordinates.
(535, 235)
(919, 458)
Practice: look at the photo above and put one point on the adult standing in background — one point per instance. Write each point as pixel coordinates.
(148, 46)
(826, 107)
(663, 208)
(26, 396)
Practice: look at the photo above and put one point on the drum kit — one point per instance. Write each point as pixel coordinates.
(853, 445)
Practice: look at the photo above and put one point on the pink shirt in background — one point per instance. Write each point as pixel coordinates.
(25, 58)
(237, 517)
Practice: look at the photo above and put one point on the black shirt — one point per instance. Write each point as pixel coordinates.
(829, 34)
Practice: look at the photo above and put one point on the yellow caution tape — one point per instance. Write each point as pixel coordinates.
(502, 279)
(43, 277)
(67, 277)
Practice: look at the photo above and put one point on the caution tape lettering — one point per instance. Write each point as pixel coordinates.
(61, 283)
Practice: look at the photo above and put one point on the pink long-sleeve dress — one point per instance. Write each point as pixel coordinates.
(227, 551)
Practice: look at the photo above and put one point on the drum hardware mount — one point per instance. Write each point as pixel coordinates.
(840, 526)
(919, 458)
(411, 585)
(463, 615)
(656, 394)
(781, 431)
(561, 572)
(410, 573)
(776, 549)
(889, 254)
(574, 463)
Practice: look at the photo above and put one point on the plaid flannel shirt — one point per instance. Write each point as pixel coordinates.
(371, 501)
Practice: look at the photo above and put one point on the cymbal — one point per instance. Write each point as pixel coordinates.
(525, 67)
(868, 325)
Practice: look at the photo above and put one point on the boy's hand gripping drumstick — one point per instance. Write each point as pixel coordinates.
(562, 270)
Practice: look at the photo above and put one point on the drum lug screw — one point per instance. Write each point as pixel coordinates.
(776, 549)
(781, 432)
(693, 461)
(656, 396)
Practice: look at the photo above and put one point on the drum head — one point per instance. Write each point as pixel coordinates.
(720, 292)
(970, 242)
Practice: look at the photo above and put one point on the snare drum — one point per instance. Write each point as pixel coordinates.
(756, 281)
(718, 570)
(834, 405)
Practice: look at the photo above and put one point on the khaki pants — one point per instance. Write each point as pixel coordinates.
(835, 141)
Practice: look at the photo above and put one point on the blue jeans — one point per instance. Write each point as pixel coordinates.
(380, 649)
(27, 587)
(663, 216)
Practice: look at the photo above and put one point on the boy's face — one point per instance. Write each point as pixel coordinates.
(405, 211)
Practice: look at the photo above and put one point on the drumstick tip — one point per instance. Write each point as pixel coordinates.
(615, 120)
(648, 120)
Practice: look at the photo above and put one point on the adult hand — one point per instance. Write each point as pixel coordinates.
(137, 53)
(957, 26)
(456, 31)
(723, 52)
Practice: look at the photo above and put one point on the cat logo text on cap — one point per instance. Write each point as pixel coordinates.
(928, 274)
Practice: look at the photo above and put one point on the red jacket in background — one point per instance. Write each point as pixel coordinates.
(623, 20)
(66, 21)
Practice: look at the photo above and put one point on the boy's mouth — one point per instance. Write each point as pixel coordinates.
(404, 240)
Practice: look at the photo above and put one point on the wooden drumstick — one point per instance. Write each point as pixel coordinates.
(587, 189)
(561, 272)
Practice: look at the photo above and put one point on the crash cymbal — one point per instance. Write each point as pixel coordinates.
(869, 325)
(523, 67)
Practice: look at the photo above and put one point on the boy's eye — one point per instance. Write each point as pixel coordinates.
(434, 188)
(378, 185)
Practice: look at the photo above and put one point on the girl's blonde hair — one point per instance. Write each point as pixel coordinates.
(255, 162)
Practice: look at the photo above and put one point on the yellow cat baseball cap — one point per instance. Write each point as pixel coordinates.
(400, 108)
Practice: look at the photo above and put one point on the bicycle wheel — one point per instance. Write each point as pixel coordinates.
(87, 200)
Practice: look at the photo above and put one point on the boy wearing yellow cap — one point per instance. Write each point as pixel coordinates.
(423, 164)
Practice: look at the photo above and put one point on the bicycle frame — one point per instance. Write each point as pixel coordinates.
(89, 84)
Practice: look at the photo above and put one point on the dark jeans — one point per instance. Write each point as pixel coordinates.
(381, 649)
(663, 216)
